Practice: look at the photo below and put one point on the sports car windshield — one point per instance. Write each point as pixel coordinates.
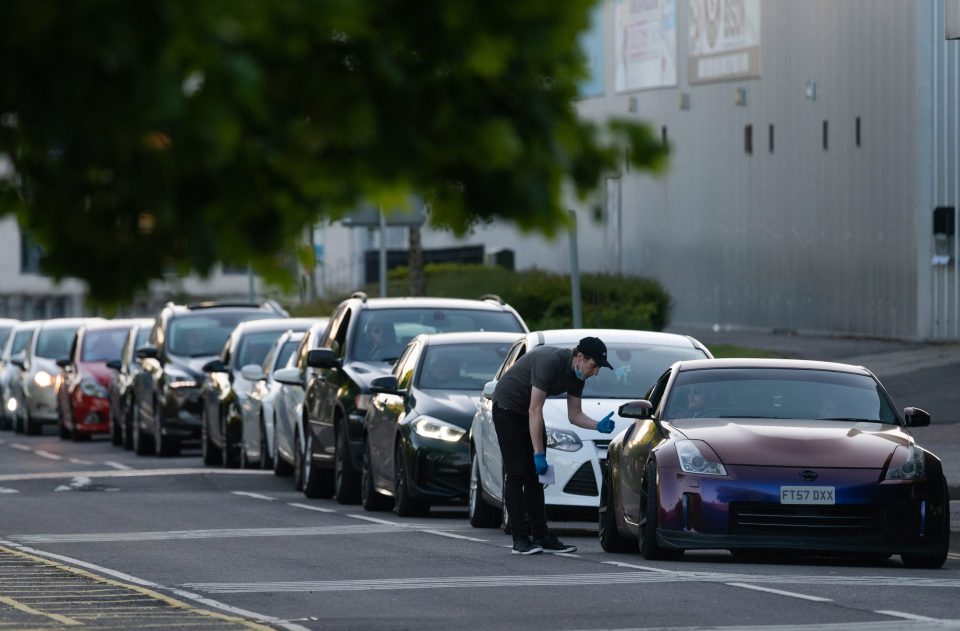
(636, 367)
(778, 393)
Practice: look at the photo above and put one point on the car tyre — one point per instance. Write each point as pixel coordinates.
(317, 482)
(281, 468)
(936, 559)
(649, 518)
(116, 433)
(346, 477)
(265, 461)
(211, 455)
(164, 446)
(33, 427)
(230, 450)
(370, 497)
(64, 432)
(480, 513)
(403, 503)
(610, 538)
(127, 430)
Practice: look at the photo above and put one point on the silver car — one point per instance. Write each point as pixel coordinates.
(11, 366)
(51, 341)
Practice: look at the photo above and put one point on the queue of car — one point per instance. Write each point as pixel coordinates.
(387, 403)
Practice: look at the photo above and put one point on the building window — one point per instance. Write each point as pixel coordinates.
(748, 139)
(826, 136)
(31, 255)
(858, 131)
(770, 137)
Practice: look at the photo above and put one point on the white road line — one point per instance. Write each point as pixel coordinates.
(780, 592)
(3, 490)
(224, 533)
(130, 473)
(145, 583)
(906, 616)
(377, 521)
(453, 536)
(78, 461)
(638, 567)
(47, 455)
(256, 496)
(319, 509)
(20, 446)
(875, 625)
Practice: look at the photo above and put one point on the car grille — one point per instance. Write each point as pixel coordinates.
(808, 521)
(583, 482)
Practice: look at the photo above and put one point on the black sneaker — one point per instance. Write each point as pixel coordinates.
(524, 545)
(550, 543)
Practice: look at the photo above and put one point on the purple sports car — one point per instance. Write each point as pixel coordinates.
(756, 454)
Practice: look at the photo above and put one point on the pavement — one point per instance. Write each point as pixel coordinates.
(924, 375)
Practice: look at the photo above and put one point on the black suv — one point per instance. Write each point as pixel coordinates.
(167, 405)
(363, 340)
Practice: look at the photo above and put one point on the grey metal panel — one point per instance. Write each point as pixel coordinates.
(800, 238)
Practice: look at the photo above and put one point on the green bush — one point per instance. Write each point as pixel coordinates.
(541, 298)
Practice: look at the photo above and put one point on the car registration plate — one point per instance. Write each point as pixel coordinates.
(808, 495)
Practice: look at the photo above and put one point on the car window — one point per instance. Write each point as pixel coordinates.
(405, 370)
(775, 393)
(460, 366)
(200, 334)
(656, 391)
(4, 334)
(513, 355)
(55, 343)
(20, 340)
(636, 368)
(382, 334)
(102, 345)
(253, 347)
(286, 352)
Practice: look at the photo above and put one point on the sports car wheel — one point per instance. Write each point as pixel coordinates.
(481, 514)
(649, 516)
(937, 558)
(116, 435)
(610, 538)
(346, 478)
(370, 497)
(403, 503)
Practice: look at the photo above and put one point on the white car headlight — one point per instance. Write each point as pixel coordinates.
(11, 405)
(430, 427)
(43, 379)
(697, 457)
(912, 469)
(564, 441)
(93, 389)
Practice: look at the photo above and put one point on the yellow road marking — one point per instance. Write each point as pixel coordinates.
(173, 602)
(35, 612)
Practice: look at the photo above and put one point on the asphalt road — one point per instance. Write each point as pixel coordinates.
(92, 535)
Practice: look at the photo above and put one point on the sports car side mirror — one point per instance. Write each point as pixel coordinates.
(641, 409)
(63, 362)
(915, 417)
(215, 365)
(288, 376)
(252, 372)
(113, 364)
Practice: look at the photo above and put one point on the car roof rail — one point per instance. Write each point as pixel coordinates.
(213, 304)
(494, 297)
(275, 306)
(362, 295)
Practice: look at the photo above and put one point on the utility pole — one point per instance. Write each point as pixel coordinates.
(575, 273)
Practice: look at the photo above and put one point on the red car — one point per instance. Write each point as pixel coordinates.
(83, 394)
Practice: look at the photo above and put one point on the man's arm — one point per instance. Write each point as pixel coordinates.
(576, 415)
(535, 412)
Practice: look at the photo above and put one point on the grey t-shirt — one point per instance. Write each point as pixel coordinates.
(547, 367)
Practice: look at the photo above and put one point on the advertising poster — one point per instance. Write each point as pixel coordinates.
(591, 43)
(645, 42)
(724, 40)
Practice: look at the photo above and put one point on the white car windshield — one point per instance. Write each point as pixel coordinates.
(636, 367)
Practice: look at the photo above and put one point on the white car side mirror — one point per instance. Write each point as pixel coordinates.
(488, 389)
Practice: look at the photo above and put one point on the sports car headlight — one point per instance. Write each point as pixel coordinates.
(697, 457)
(43, 379)
(93, 389)
(430, 427)
(564, 441)
(911, 469)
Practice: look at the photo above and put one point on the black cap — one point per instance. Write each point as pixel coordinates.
(594, 348)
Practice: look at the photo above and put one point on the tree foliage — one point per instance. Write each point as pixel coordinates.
(164, 135)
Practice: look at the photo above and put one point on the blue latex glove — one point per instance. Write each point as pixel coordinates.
(540, 462)
(606, 424)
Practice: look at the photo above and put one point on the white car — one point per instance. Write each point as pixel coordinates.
(638, 359)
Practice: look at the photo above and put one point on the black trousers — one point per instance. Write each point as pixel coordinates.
(522, 490)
